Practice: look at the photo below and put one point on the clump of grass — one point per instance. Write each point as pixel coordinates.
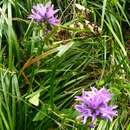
(41, 74)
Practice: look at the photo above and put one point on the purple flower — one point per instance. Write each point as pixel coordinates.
(94, 104)
(44, 13)
(91, 126)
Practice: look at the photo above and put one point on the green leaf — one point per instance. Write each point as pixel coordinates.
(70, 113)
(63, 48)
(128, 127)
(35, 99)
(41, 114)
(100, 83)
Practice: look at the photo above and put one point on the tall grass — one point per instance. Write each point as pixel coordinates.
(40, 75)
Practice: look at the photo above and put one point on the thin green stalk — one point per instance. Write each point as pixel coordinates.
(5, 86)
(52, 85)
(117, 39)
(4, 119)
(9, 35)
(103, 13)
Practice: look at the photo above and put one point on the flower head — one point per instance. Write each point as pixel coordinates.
(95, 104)
(44, 13)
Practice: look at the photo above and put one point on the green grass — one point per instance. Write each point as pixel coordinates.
(41, 75)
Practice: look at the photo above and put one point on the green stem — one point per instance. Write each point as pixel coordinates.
(52, 85)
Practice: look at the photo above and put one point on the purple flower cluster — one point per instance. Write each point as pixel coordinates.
(44, 13)
(94, 104)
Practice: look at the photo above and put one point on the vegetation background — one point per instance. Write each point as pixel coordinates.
(41, 74)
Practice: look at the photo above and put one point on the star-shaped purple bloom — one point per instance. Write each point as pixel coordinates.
(94, 104)
(44, 13)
